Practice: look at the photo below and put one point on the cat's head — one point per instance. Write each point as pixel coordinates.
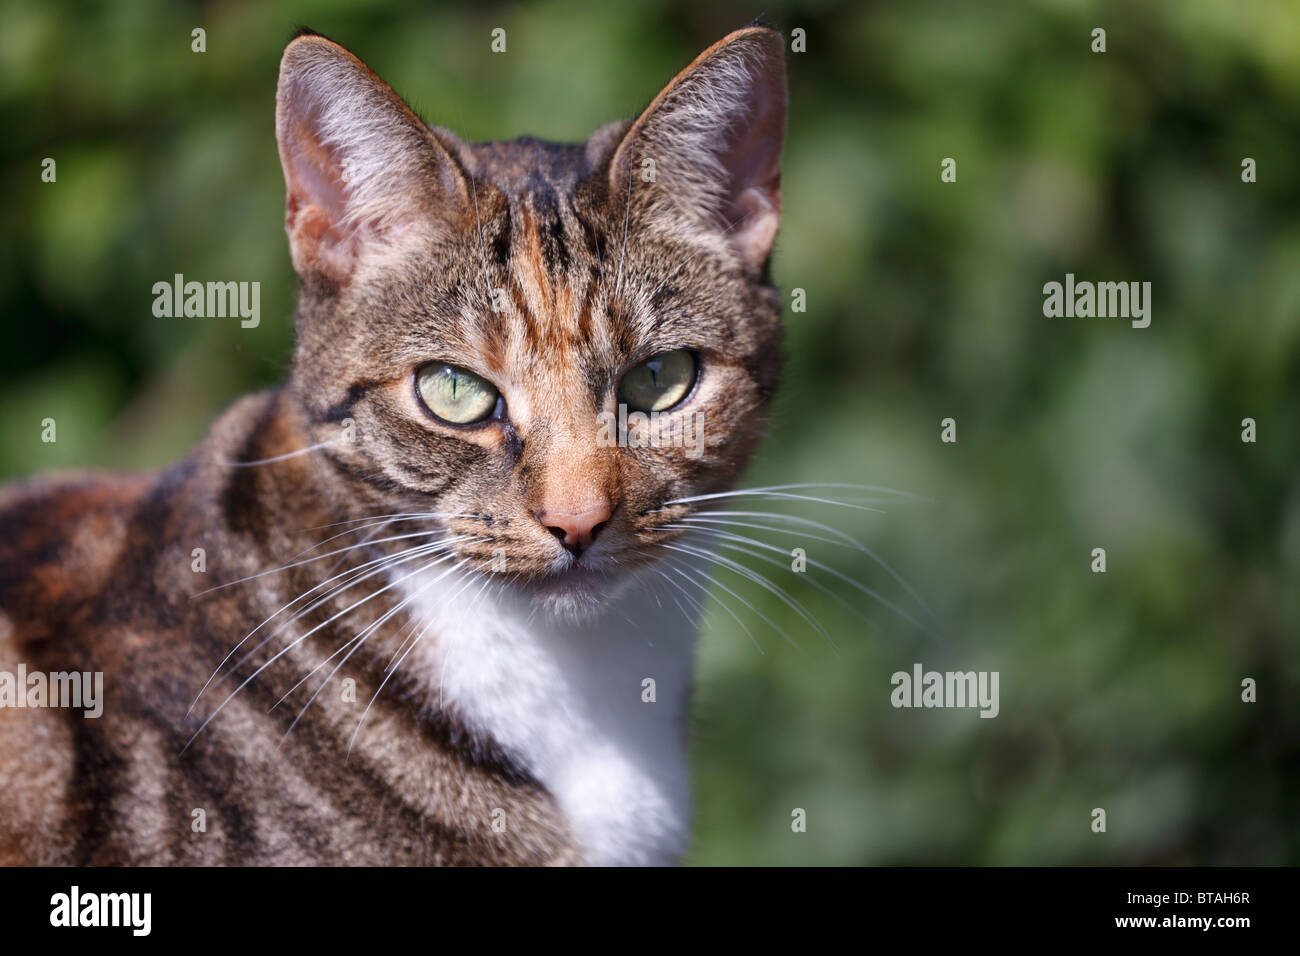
(479, 324)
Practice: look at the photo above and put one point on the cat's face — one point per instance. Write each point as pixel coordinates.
(545, 344)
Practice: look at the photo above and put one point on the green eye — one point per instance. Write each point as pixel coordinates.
(659, 382)
(455, 395)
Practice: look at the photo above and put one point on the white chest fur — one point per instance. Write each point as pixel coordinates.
(567, 700)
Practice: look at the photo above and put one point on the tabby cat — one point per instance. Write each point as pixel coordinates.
(432, 621)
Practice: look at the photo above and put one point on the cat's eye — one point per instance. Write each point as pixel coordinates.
(455, 395)
(658, 383)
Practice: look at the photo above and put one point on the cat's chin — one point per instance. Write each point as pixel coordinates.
(578, 593)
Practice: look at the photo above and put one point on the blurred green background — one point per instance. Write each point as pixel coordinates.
(1118, 690)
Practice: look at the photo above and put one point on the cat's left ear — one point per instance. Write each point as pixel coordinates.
(707, 150)
(362, 173)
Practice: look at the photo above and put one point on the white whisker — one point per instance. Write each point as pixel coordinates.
(284, 651)
(721, 603)
(319, 557)
(783, 490)
(737, 568)
(289, 454)
(726, 535)
(710, 578)
(843, 539)
(383, 561)
(719, 518)
(377, 523)
(357, 641)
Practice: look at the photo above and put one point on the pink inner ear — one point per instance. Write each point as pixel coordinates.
(316, 195)
(757, 213)
(753, 157)
(317, 244)
(753, 160)
(315, 172)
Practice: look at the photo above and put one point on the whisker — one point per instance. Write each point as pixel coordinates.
(726, 535)
(375, 696)
(451, 641)
(367, 537)
(686, 616)
(319, 557)
(231, 653)
(711, 579)
(383, 561)
(719, 518)
(387, 520)
(331, 657)
(396, 514)
(383, 565)
(843, 539)
(284, 651)
(721, 603)
(290, 454)
(781, 489)
(768, 559)
(359, 640)
(415, 623)
(737, 568)
(786, 496)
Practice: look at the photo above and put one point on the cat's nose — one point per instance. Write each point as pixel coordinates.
(575, 531)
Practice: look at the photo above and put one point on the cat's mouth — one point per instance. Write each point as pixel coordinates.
(575, 581)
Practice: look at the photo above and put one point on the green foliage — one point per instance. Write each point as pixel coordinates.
(1118, 690)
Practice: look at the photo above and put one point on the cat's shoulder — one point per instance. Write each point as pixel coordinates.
(61, 534)
(37, 516)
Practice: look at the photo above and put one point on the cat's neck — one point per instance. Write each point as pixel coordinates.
(595, 709)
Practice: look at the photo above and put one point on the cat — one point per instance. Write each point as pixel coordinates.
(420, 537)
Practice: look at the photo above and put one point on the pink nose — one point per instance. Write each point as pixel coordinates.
(576, 531)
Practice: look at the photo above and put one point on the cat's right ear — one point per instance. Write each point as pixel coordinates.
(361, 170)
